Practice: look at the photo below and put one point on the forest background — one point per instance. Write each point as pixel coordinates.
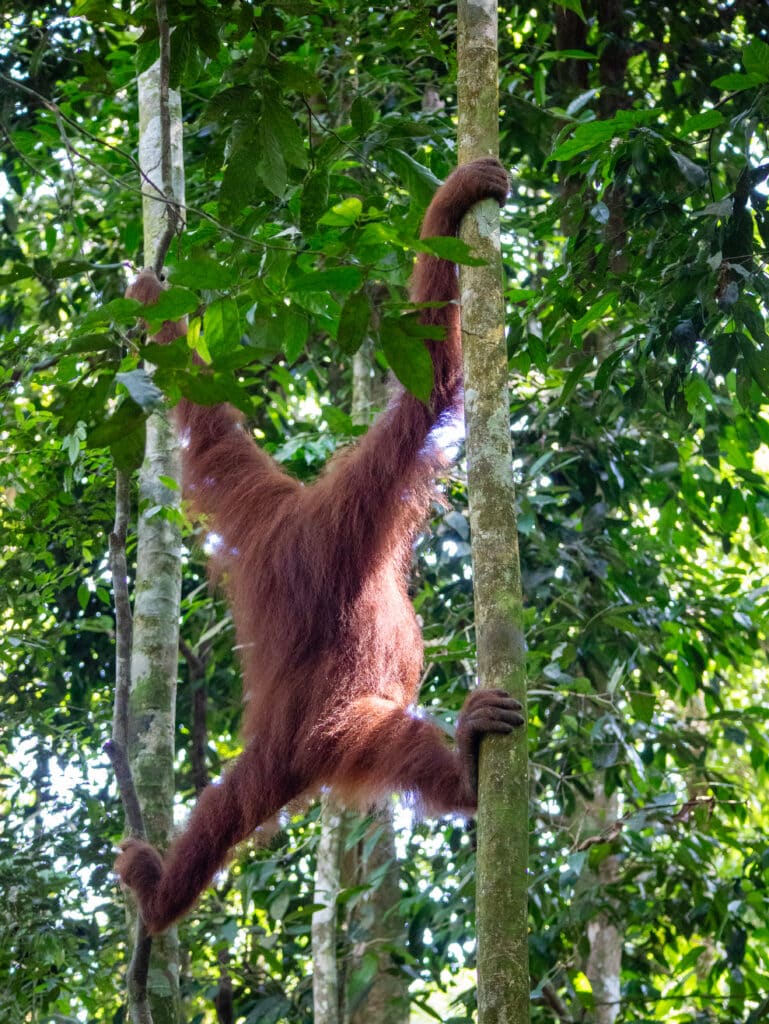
(635, 245)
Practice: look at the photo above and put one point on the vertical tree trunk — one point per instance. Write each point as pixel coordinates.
(503, 970)
(155, 655)
(386, 1000)
(604, 961)
(325, 975)
(604, 938)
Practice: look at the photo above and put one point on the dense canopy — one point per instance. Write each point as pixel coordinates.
(635, 245)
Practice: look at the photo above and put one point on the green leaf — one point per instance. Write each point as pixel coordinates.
(314, 199)
(20, 272)
(594, 134)
(594, 314)
(736, 82)
(362, 976)
(205, 29)
(694, 174)
(758, 364)
(293, 327)
(173, 356)
(573, 5)
(92, 343)
(221, 327)
(586, 137)
(128, 450)
(282, 126)
(118, 310)
(172, 304)
(452, 249)
(147, 52)
(643, 705)
(240, 180)
(538, 352)
(408, 358)
(205, 389)
(575, 376)
(339, 421)
(755, 59)
(607, 368)
(724, 349)
(69, 268)
(343, 214)
(353, 321)
(703, 122)
(271, 164)
(127, 418)
(202, 273)
(338, 279)
(362, 114)
(418, 180)
(689, 960)
(141, 388)
(185, 60)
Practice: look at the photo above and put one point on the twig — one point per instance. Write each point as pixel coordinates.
(223, 1000)
(138, 972)
(173, 212)
(551, 998)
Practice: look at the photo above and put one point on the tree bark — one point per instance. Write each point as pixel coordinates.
(325, 974)
(503, 971)
(386, 1000)
(604, 959)
(154, 661)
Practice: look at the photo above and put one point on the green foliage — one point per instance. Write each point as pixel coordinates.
(636, 245)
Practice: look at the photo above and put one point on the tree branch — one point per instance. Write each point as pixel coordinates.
(116, 748)
(173, 212)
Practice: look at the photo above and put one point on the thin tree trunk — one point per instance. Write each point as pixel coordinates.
(325, 974)
(604, 959)
(155, 655)
(503, 969)
(386, 1000)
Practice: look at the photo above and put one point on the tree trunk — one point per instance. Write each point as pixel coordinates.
(325, 975)
(604, 961)
(503, 969)
(155, 655)
(604, 937)
(386, 998)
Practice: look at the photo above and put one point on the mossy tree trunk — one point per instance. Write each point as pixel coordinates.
(503, 971)
(154, 662)
(325, 972)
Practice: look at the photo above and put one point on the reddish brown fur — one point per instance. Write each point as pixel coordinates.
(330, 646)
